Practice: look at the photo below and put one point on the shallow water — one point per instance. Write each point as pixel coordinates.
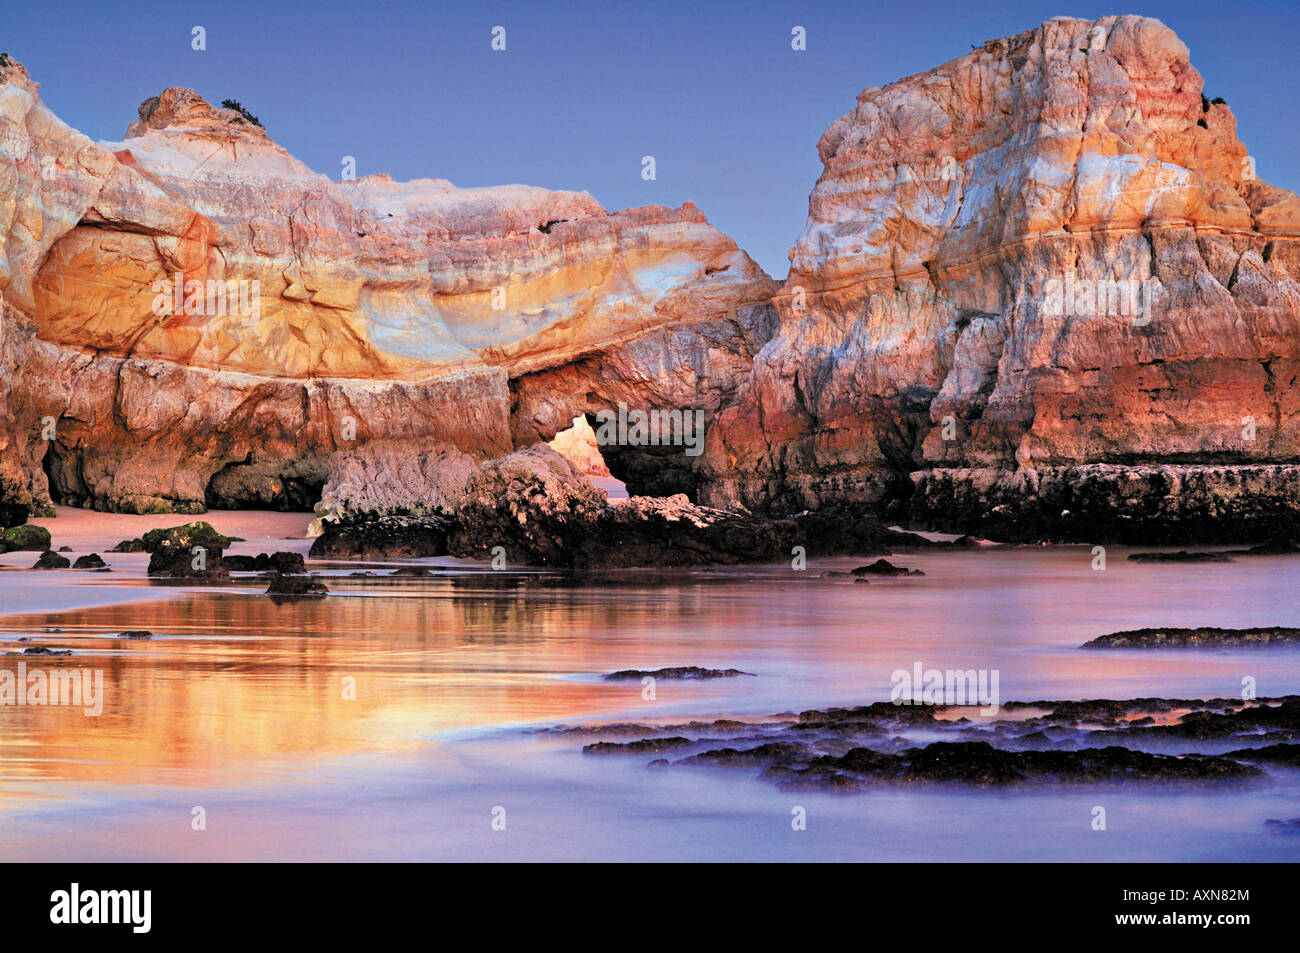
(238, 705)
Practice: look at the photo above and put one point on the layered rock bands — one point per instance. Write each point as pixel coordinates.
(1042, 293)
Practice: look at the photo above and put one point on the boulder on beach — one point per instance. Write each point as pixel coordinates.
(51, 560)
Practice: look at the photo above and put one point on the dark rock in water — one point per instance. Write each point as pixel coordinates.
(135, 634)
(90, 561)
(1289, 826)
(836, 574)
(186, 536)
(856, 748)
(1137, 505)
(847, 529)
(980, 764)
(300, 586)
(1182, 556)
(680, 672)
(410, 571)
(42, 650)
(190, 551)
(129, 546)
(188, 563)
(52, 560)
(1274, 547)
(1187, 638)
(1288, 754)
(776, 752)
(883, 567)
(25, 538)
(644, 746)
(65, 549)
(387, 537)
(282, 562)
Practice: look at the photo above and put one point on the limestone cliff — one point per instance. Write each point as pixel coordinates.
(925, 354)
(193, 315)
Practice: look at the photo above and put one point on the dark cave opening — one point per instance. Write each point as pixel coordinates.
(51, 464)
(249, 486)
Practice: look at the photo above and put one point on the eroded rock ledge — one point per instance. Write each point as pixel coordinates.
(533, 507)
(1144, 740)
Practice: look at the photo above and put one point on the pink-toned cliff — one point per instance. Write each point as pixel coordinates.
(922, 354)
(408, 311)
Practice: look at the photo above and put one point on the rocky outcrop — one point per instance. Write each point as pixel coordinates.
(193, 317)
(533, 507)
(1135, 504)
(1099, 741)
(956, 330)
(1192, 638)
(1042, 293)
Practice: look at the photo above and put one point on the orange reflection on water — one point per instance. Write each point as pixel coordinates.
(231, 680)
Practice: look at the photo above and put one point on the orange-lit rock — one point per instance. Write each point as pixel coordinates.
(918, 297)
(316, 315)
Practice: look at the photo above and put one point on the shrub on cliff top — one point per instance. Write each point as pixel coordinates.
(238, 107)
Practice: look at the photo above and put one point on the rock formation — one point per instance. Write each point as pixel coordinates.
(941, 343)
(191, 316)
(1042, 293)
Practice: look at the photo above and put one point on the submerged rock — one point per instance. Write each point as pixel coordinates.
(1190, 638)
(90, 561)
(283, 562)
(1048, 742)
(1181, 557)
(51, 560)
(883, 567)
(685, 672)
(645, 746)
(299, 586)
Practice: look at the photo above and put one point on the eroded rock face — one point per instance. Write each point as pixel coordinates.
(534, 507)
(921, 345)
(323, 315)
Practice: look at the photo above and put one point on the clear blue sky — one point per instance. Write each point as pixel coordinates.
(585, 89)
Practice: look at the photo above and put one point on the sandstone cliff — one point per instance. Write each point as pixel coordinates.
(1042, 291)
(355, 310)
(922, 355)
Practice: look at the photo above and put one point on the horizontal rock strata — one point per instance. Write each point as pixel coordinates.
(942, 344)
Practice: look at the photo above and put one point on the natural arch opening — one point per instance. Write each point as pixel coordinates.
(579, 446)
